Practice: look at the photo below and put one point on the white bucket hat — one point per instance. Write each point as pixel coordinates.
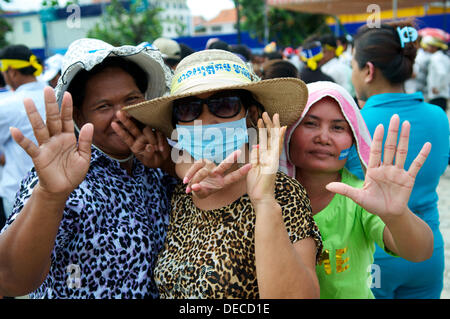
(216, 70)
(84, 54)
(52, 66)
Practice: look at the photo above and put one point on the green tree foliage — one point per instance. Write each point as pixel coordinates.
(286, 28)
(120, 26)
(5, 27)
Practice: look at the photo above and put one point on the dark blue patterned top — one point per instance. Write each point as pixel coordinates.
(113, 227)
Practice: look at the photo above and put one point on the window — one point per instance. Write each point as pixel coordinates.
(26, 25)
(216, 28)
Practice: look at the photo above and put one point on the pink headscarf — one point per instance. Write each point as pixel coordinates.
(317, 91)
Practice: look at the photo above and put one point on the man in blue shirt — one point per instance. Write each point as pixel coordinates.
(19, 67)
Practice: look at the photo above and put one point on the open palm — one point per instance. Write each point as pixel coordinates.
(387, 186)
(61, 164)
(264, 158)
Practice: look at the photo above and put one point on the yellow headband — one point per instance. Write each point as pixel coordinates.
(20, 64)
(338, 51)
(312, 62)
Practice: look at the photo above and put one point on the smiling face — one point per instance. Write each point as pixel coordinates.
(317, 142)
(106, 93)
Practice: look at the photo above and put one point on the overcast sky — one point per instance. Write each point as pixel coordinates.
(206, 8)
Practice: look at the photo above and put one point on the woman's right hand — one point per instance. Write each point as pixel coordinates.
(60, 163)
(204, 178)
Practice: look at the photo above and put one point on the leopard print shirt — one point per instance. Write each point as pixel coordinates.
(211, 254)
(112, 230)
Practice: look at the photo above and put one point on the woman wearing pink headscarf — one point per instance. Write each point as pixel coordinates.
(351, 214)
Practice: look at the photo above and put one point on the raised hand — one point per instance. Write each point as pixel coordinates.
(60, 163)
(387, 186)
(150, 147)
(205, 178)
(264, 158)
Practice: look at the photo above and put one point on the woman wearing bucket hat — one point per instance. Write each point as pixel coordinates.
(383, 60)
(256, 236)
(352, 215)
(89, 219)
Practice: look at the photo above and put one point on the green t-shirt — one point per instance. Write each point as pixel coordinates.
(349, 234)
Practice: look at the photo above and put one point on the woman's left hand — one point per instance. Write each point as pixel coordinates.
(387, 186)
(264, 158)
(150, 147)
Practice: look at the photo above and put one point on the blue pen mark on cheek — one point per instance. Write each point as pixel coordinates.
(344, 153)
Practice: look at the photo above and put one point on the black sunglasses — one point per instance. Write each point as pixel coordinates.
(223, 104)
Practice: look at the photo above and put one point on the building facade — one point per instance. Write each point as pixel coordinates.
(50, 32)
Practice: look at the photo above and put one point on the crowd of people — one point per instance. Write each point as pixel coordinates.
(155, 171)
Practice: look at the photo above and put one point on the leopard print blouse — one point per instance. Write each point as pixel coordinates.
(211, 254)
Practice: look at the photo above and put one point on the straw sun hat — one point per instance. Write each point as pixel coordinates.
(215, 70)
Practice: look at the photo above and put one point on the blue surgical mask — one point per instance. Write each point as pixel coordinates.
(213, 142)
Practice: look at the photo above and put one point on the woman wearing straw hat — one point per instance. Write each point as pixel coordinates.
(256, 236)
(89, 219)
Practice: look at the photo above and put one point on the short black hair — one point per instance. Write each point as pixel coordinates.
(185, 50)
(219, 44)
(279, 69)
(77, 87)
(19, 52)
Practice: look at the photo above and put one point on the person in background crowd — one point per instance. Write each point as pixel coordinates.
(170, 51)
(292, 55)
(5, 91)
(383, 60)
(418, 80)
(90, 219)
(279, 69)
(244, 52)
(333, 66)
(438, 77)
(209, 42)
(312, 56)
(19, 67)
(219, 45)
(185, 50)
(52, 70)
(345, 41)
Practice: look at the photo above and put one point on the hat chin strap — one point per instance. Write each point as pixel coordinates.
(123, 160)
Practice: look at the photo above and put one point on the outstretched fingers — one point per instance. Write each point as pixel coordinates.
(28, 146)
(52, 115)
(85, 141)
(227, 163)
(390, 145)
(39, 129)
(67, 113)
(376, 146)
(345, 190)
(402, 148)
(418, 162)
